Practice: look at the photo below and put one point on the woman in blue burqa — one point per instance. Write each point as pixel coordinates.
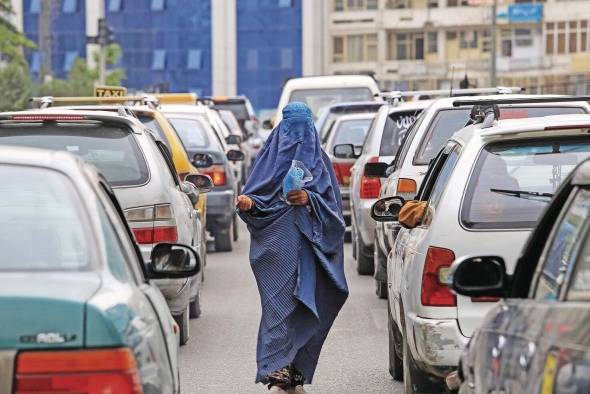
(296, 249)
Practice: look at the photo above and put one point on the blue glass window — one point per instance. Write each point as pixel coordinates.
(69, 6)
(159, 60)
(286, 58)
(285, 3)
(114, 5)
(35, 65)
(195, 59)
(252, 61)
(69, 59)
(158, 5)
(35, 6)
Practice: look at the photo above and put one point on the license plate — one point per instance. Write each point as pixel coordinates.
(549, 373)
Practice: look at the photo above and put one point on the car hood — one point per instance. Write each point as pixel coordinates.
(44, 310)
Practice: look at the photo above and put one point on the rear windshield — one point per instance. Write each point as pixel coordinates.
(239, 110)
(448, 121)
(113, 150)
(191, 132)
(512, 182)
(394, 131)
(352, 132)
(229, 120)
(42, 221)
(152, 124)
(318, 99)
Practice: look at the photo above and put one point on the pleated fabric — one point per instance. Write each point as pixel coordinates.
(296, 253)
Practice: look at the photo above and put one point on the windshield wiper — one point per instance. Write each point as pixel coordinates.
(524, 194)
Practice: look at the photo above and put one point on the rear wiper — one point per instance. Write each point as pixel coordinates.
(524, 194)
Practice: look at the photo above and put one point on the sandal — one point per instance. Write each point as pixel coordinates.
(280, 378)
(297, 378)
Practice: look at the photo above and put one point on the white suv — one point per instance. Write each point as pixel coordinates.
(483, 194)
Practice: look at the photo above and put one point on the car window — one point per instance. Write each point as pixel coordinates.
(239, 109)
(513, 181)
(317, 99)
(44, 225)
(191, 132)
(351, 132)
(448, 121)
(328, 129)
(563, 248)
(112, 149)
(396, 126)
(407, 141)
(440, 182)
(115, 255)
(579, 287)
(152, 124)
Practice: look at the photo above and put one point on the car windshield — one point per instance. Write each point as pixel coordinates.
(152, 124)
(513, 181)
(42, 221)
(394, 131)
(191, 132)
(352, 132)
(112, 149)
(317, 99)
(448, 121)
(239, 109)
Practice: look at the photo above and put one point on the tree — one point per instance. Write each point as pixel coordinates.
(15, 85)
(11, 40)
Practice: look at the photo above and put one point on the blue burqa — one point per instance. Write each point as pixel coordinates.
(296, 253)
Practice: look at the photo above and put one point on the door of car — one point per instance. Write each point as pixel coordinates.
(123, 244)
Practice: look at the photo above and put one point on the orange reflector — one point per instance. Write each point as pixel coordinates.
(405, 185)
(75, 361)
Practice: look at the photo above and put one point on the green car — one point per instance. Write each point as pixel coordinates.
(79, 312)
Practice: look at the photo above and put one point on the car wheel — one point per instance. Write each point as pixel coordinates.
(348, 236)
(353, 240)
(416, 380)
(395, 362)
(364, 260)
(223, 240)
(183, 324)
(195, 306)
(236, 233)
(381, 289)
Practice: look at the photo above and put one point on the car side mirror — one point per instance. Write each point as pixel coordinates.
(173, 261)
(235, 155)
(345, 151)
(376, 169)
(389, 171)
(267, 124)
(476, 276)
(202, 183)
(233, 139)
(387, 209)
(202, 160)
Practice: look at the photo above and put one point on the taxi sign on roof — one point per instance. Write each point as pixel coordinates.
(109, 91)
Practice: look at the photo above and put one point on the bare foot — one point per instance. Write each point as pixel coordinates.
(276, 389)
(297, 390)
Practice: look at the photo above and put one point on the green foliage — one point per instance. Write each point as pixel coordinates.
(11, 40)
(15, 86)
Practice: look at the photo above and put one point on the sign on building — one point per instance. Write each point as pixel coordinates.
(525, 12)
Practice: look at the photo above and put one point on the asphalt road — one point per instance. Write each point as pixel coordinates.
(220, 356)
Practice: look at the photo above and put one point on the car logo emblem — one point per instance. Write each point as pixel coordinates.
(48, 337)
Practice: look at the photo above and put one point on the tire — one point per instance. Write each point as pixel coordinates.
(396, 368)
(348, 237)
(353, 240)
(223, 240)
(364, 260)
(236, 233)
(417, 381)
(381, 289)
(195, 306)
(183, 321)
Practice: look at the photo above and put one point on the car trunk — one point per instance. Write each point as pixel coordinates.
(49, 314)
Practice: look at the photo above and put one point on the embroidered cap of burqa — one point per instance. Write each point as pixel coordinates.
(296, 254)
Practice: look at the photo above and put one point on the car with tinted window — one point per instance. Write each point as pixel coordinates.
(138, 167)
(482, 193)
(80, 310)
(329, 114)
(242, 109)
(250, 145)
(536, 337)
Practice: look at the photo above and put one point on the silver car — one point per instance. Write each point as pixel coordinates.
(157, 205)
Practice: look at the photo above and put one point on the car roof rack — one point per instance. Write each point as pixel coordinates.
(400, 95)
(153, 100)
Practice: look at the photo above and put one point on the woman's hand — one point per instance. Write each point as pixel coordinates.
(244, 203)
(298, 197)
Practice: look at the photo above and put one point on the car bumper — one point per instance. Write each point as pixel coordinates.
(220, 209)
(438, 344)
(365, 225)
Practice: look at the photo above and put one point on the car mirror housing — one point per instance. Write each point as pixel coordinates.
(376, 170)
(233, 139)
(476, 276)
(387, 209)
(202, 183)
(345, 151)
(173, 261)
(202, 160)
(235, 155)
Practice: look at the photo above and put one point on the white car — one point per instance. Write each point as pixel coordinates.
(483, 194)
(323, 91)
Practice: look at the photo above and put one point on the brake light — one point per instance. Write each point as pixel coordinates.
(254, 119)
(568, 127)
(154, 235)
(435, 291)
(217, 174)
(485, 299)
(342, 171)
(370, 186)
(77, 371)
(53, 117)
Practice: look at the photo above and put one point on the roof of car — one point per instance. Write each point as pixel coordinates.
(59, 160)
(411, 105)
(363, 115)
(448, 101)
(184, 108)
(329, 81)
(353, 105)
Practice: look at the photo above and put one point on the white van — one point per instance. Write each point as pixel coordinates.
(321, 92)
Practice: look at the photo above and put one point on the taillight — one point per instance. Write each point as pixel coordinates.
(435, 291)
(153, 232)
(77, 371)
(342, 171)
(48, 117)
(154, 235)
(370, 186)
(217, 174)
(406, 188)
(485, 299)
